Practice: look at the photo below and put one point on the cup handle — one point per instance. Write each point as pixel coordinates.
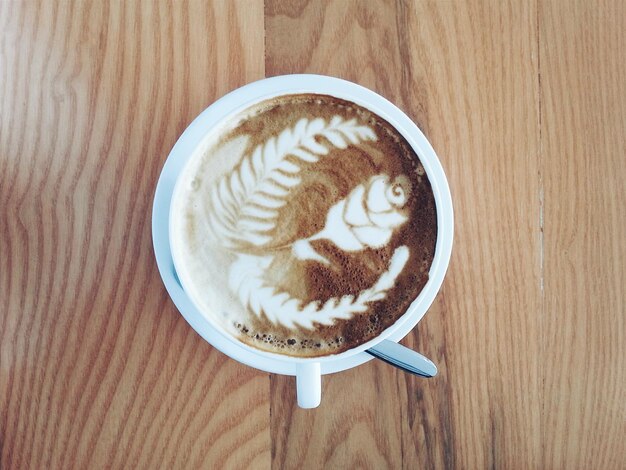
(309, 384)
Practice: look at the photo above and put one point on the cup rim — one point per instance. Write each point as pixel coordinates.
(186, 148)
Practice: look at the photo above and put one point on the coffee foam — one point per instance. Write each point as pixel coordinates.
(305, 226)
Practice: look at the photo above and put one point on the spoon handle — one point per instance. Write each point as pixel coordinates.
(404, 358)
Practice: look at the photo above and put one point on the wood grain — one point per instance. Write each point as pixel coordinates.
(583, 130)
(98, 368)
(524, 103)
(468, 75)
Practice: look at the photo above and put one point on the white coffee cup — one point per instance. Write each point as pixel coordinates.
(308, 371)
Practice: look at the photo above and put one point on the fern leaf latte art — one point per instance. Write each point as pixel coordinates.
(304, 226)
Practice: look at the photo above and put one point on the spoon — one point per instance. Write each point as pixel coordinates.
(403, 358)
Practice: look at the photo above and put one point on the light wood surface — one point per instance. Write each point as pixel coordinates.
(524, 103)
(583, 165)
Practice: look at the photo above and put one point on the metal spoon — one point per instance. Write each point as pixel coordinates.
(403, 358)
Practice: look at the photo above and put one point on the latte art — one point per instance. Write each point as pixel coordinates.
(247, 279)
(245, 203)
(366, 218)
(305, 227)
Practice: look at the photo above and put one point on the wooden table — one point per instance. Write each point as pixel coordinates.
(525, 103)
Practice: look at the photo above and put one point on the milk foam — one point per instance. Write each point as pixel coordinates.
(365, 219)
(244, 204)
(244, 266)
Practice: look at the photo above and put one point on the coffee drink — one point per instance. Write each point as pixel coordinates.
(305, 225)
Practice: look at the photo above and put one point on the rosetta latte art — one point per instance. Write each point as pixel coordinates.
(366, 218)
(245, 204)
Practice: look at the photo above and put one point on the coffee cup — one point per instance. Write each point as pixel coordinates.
(308, 370)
